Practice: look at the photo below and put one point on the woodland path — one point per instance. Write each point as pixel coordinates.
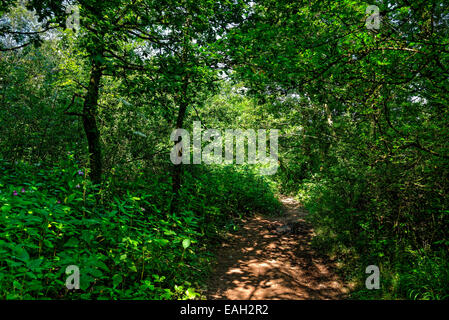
(263, 262)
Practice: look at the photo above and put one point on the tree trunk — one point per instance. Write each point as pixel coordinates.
(183, 103)
(90, 110)
(177, 169)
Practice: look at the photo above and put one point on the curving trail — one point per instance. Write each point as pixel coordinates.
(262, 262)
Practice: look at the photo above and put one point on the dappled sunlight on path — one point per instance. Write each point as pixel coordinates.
(259, 262)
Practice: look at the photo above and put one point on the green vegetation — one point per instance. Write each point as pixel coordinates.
(126, 243)
(86, 177)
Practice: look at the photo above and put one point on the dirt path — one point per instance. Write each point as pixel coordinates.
(263, 261)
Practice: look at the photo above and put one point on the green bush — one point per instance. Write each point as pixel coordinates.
(122, 237)
(356, 224)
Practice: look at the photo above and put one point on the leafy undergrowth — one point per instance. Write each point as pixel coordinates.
(357, 233)
(122, 237)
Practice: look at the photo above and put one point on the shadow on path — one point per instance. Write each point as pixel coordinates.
(258, 262)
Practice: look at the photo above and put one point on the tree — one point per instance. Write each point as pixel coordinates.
(178, 49)
(371, 105)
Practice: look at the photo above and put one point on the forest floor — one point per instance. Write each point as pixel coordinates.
(264, 260)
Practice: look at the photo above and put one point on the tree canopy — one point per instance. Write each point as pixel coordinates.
(91, 92)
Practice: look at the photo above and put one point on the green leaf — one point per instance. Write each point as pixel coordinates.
(22, 254)
(116, 280)
(70, 198)
(73, 242)
(186, 243)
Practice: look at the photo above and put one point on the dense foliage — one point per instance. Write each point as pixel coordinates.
(126, 243)
(87, 113)
(366, 147)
